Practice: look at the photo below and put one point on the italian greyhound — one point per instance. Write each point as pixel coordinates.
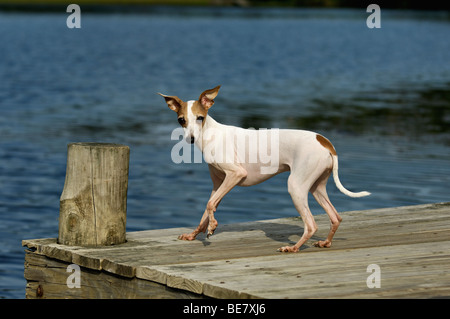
(308, 156)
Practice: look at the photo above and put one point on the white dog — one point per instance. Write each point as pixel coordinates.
(309, 157)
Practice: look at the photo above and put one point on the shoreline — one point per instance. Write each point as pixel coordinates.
(146, 5)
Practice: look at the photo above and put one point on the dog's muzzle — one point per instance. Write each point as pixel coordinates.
(190, 140)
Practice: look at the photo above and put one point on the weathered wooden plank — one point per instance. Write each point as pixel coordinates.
(252, 239)
(310, 275)
(410, 244)
(51, 276)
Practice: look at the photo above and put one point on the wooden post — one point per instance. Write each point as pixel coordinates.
(93, 204)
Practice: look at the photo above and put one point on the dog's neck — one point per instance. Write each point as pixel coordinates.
(209, 124)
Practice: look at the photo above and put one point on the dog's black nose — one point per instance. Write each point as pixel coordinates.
(192, 140)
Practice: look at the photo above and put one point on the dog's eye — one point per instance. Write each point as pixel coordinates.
(181, 120)
(200, 118)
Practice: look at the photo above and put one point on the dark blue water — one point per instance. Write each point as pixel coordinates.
(381, 96)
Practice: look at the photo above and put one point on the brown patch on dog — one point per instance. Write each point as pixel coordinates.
(177, 105)
(182, 112)
(326, 143)
(199, 110)
(206, 99)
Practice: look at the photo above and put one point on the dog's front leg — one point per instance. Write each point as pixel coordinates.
(201, 228)
(217, 180)
(233, 177)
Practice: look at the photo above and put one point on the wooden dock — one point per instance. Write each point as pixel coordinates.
(410, 245)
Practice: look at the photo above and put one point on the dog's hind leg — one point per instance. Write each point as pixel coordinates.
(299, 194)
(319, 192)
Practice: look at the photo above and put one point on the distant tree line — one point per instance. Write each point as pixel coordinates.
(392, 4)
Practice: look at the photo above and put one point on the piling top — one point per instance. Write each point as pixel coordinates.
(93, 202)
(96, 144)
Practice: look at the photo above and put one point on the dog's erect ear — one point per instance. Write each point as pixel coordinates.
(173, 102)
(206, 99)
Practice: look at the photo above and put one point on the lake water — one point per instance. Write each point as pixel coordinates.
(382, 96)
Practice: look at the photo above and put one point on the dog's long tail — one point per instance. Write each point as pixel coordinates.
(338, 182)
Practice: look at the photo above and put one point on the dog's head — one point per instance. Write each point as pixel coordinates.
(192, 114)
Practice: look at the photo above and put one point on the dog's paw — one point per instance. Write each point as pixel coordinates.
(210, 233)
(211, 228)
(188, 237)
(323, 244)
(288, 249)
